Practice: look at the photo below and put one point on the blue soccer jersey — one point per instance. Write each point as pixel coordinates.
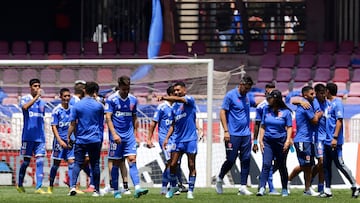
(304, 128)
(33, 129)
(73, 100)
(60, 117)
(164, 117)
(333, 112)
(259, 110)
(89, 115)
(275, 123)
(185, 120)
(238, 112)
(123, 111)
(320, 129)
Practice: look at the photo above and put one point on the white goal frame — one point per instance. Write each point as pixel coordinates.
(113, 62)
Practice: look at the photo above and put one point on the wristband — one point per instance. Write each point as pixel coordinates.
(335, 138)
(225, 131)
(255, 141)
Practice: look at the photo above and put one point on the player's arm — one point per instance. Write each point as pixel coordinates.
(57, 136)
(172, 99)
(338, 126)
(288, 141)
(136, 126)
(316, 118)
(111, 128)
(224, 124)
(303, 103)
(168, 135)
(71, 130)
(32, 101)
(255, 138)
(149, 143)
(261, 138)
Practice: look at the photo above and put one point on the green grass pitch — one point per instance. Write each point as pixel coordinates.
(203, 195)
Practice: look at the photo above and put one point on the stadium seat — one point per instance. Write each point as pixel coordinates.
(11, 76)
(283, 87)
(287, 61)
(48, 76)
(269, 61)
(181, 48)
(265, 75)
(256, 48)
(67, 76)
(297, 86)
(273, 47)
(355, 75)
(105, 75)
(322, 75)
(291, 47)
(354, 89)
(306, 61)
(37, 48)
(283, 75)
(341, 75)
(28, 73)
(352, 100)
(127, 49)
(123, 71)
(91, 50)
(73, 50)
(324, 61)
(142, 49)
(198, 48)
(55, 48)
(19, 50)
(342, 88)
(109, 50)
(303, 75)
(328, 47)
(342, 61)
(346, 47)
(310, 47)
(87, 74)
(4, 48)
(355, 61)
(165, 49)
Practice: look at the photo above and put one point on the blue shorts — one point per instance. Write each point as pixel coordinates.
(305, 153)
(319, 149)
(59, 153)
(29, 148)
(126, 148)
(186, 147)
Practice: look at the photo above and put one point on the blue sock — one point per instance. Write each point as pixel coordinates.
(134, 173)
(115, 177)
(173, 180)
(53, 171)
(39, 171)
(22, 172)
(70, 171)
(165, 177)
(320, 187)
(192, 180)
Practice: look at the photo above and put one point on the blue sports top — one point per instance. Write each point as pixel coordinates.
(89, 115)
(74, 99)
(333, 112)
(237, 109)
(259, 110)
(33, 129)
(304, 128)
(123, 111)
(320, 128)
(60, 117)
(275, 124)
(164, 117)
(185, 120)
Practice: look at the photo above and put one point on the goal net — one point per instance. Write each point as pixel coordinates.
(206, 85)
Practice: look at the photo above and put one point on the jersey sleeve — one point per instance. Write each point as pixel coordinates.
(288, 118)
(226, 103)
(54, 117)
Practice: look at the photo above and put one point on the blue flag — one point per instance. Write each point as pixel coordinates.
(155, 39)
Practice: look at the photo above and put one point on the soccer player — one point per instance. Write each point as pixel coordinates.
(183, 130)
(87, 116)
(275, 139)
(120, 109)
(59, 125)
(33, 135)
(306, 120)
(334, 115)
(235, 119)
(259, 112)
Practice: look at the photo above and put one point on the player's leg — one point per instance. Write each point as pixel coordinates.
(134, 175)
(79, 154)
(94, 150)
(108, 187)
(39, 155)
(124, 176)
(53, 170)
(327, 171)
(266, 166)
(173, 168)
(115, 177)
(26, 152)
(87, 169)
(245, 155)
(166, 172)
(191, 151)
(319, 168)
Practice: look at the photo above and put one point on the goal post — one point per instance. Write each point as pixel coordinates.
(198, 73)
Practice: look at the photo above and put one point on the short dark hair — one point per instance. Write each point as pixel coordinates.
(180, 83)
(306, 89)
(246, 80)
(170, 90)
(319, 87)
(62, 90)
(332, 88)
(124, 80)
(91, 88)
(33, 81)
(270, 85)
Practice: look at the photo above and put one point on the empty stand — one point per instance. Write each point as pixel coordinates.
(256, 48)
(310, 47)
(10, 76)
(354, 89)
(4, 48)
(19, 50)
(109, 50)
(265, 75)
(283, 75)
(342, 61)
(269, 61)
(67, 76)
(105, 75)
(181, 48)
(346, 47)
(322, 75)
(198, 48)
(352, 100)
(28, 73)
(55, 48)
(291, 47)
(328, 47)
(341, 75)
(37, 48)
(287, 61)
(283, 87)
(303, 75)
(142, 49)
(48, 76)
(355, 61)
(127, 49)
(91, 50)
(165, 49)
(306, 61)
(273, 47)
(73, 50)
(324, 61)
(342, 89)
(87, 74)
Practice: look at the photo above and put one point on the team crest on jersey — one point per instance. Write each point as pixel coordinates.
(307, 158)
(280, 114)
